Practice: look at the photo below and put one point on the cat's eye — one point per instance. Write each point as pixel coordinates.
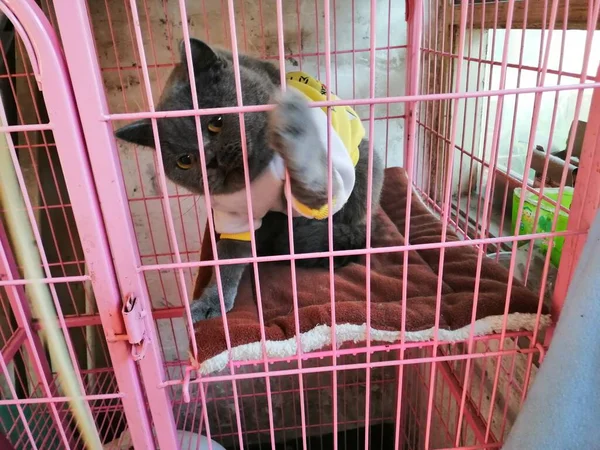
(215, 125)
(184, 162)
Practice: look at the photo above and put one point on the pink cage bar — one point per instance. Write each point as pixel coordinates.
(484, 104)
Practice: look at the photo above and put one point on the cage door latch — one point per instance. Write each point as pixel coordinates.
(134, 318)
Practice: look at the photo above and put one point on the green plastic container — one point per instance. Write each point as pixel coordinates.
(545, 219)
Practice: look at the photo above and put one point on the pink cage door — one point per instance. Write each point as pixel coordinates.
(33, 398)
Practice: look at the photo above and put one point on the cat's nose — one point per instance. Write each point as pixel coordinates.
(228, 159)
(212, 163)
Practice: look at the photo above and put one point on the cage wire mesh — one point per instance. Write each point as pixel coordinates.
(37, 408)
(484, 104)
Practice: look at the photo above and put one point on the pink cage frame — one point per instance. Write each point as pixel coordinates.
(81, 122)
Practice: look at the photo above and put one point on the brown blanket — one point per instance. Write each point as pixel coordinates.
(458, 284)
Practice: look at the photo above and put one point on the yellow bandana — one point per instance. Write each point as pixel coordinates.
(344, 119)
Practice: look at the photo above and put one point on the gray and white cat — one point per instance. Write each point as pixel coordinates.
(287, 131)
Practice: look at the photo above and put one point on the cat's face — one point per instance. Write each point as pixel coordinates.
(215, 85)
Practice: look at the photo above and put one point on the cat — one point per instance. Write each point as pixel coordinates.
(286, 133)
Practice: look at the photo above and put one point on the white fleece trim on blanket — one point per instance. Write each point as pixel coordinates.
(320, 337)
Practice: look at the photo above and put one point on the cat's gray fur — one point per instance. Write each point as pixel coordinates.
(286, 130)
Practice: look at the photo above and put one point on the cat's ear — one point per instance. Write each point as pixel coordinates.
(138, 132)
(203, 56)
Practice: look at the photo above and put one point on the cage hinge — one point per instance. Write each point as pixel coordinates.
(134, 318)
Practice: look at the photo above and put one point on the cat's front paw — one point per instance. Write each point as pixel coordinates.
(290, 123)
(208, 305)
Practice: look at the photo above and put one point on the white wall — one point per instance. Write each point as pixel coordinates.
(547, 134)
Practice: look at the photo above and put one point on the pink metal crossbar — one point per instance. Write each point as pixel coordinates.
(440, 77)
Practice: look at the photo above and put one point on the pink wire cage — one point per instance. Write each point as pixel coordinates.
(461, 94)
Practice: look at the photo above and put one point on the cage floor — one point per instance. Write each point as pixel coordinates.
(433, 411)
